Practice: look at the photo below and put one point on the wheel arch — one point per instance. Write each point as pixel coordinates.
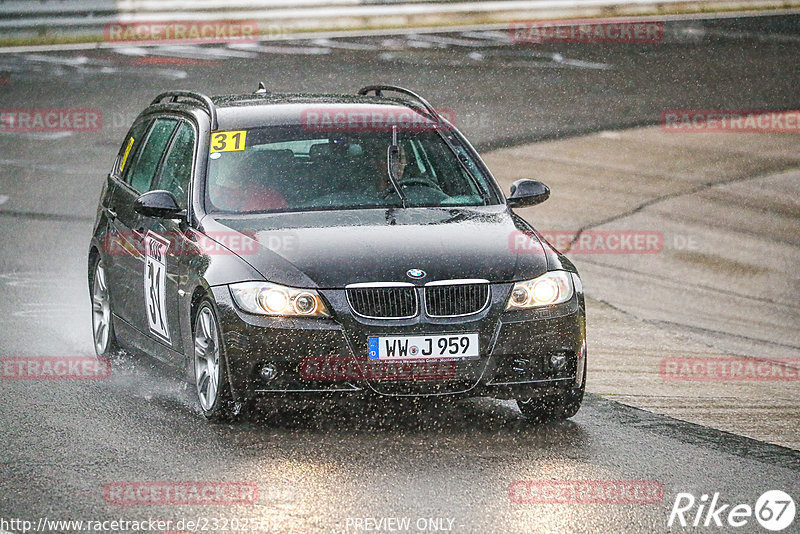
(200, 293)
(94, 255)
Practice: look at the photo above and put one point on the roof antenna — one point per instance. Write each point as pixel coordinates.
(262, 89)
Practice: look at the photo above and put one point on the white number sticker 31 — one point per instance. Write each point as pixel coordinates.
(155, 277)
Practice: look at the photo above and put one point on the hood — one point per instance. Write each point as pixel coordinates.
(330, 249)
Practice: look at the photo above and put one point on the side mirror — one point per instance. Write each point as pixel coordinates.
(527, 193)
(159, 204)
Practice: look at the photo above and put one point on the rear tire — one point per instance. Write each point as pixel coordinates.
(105, 342)
(210, 368)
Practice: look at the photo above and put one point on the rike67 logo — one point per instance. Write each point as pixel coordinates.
(774, 510)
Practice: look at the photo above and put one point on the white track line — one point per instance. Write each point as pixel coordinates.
(278, 49)
(763, 37)
(488, 35)
(200, 52)
(438, 39)
(343, 45)
(72, 61)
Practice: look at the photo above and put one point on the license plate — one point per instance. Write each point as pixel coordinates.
(423, 347)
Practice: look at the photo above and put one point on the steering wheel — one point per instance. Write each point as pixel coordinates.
(413, 180)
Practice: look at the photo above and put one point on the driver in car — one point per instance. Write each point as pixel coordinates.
(379, 164)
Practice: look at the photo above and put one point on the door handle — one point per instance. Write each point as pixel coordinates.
(111, 213)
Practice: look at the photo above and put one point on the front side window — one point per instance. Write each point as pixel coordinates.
(130, 147)
(292, 169)
(176, 172)
(141, 172)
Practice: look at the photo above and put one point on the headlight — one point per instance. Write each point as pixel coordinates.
(265, 298)
(553, 287)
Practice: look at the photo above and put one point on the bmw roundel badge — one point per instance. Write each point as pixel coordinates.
(416, 274)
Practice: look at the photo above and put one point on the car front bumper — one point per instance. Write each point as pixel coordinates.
(523, 354)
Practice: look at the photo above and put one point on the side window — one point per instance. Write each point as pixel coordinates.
(131, 145)
(141, 172)
(177, 168)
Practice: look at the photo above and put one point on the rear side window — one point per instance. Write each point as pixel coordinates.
(176, 172)
(141, 171)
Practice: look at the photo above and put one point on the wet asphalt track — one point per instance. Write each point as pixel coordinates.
(315, 467)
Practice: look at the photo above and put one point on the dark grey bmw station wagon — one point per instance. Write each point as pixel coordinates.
(302, 244)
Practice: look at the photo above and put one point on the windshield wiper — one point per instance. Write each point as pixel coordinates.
(393, 162)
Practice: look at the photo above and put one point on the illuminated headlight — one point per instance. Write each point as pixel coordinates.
(554, 287)
(265, 298)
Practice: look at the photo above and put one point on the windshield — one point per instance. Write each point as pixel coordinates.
(293, 169)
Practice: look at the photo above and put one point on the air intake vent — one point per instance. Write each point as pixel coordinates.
(383, 302)
(453, 299)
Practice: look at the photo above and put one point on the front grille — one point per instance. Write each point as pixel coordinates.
(452, 300)
(393, 302)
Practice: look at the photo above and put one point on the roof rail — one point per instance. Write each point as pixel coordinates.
(378, 90)
(206, 101)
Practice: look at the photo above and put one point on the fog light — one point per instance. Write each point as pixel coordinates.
(268, 372)
(557, 361)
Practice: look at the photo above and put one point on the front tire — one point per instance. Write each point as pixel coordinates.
(210, 370)
(554, 407)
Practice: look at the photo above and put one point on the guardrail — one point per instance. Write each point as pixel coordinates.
(85, 19)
